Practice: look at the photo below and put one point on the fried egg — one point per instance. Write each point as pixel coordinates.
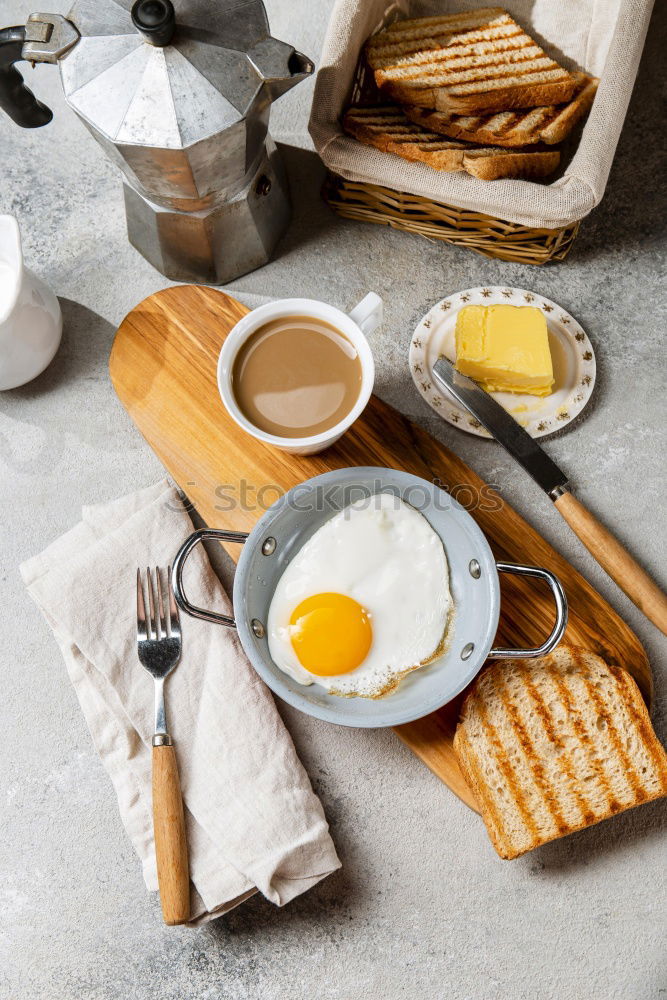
(365, 600)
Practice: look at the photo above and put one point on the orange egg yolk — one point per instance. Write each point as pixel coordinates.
(331, 634)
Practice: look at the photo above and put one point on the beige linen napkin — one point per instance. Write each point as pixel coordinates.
(253, 820)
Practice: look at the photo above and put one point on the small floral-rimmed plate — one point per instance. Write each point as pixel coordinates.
(571, 352)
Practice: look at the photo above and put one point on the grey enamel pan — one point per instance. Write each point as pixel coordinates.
(290, 522)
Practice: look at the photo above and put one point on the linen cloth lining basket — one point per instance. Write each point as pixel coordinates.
(517, 220)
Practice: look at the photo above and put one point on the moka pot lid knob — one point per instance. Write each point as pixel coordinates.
(155, 20)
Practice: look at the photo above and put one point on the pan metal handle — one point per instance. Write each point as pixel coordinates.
(177, 573)
(560, 600)
(517, 569)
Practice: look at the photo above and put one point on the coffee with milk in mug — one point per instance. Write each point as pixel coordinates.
(296, 376)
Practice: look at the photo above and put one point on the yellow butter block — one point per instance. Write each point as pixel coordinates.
(505, 348)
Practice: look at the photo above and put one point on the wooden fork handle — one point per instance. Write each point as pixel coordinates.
(171, 849)
(617, 561)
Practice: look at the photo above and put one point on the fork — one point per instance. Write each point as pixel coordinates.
(159, 648)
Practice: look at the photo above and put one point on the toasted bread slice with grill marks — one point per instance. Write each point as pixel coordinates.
(472, 62)
(553, 745)
(523, 127)
(387, 128)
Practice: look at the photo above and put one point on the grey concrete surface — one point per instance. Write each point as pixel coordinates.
(422, 906)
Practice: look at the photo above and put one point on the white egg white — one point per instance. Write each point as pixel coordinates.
(385, 555)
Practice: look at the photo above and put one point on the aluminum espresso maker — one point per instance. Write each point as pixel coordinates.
(178, 95)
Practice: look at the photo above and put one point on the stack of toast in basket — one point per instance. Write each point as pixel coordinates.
(469, 91)
(553, 745)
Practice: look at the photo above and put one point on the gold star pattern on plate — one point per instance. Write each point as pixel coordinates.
(436, 330)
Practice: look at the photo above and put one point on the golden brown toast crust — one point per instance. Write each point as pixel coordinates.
(386, 128)
(476, 61)
(501, 99)
(548, 124)
(543, 767)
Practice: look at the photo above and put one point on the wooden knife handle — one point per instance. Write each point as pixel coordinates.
(171, 849)
(617, 561)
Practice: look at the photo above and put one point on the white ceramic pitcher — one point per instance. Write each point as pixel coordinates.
(30, 319)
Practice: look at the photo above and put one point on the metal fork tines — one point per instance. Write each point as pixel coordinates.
(158, 639)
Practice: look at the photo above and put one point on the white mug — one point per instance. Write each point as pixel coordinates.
(362, 320)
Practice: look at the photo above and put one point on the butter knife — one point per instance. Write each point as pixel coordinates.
(603, 546)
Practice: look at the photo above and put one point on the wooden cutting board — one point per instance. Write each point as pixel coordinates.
(163, 367)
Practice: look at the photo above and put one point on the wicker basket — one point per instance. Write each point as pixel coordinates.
(503, 219)
(416, 214)
(481, 233)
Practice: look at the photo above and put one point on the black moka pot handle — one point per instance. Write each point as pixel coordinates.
(15, 99)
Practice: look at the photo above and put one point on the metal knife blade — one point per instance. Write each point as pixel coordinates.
(502, 427)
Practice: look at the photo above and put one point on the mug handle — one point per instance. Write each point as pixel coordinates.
(177, 573)
(368, 313)
(560, 601)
